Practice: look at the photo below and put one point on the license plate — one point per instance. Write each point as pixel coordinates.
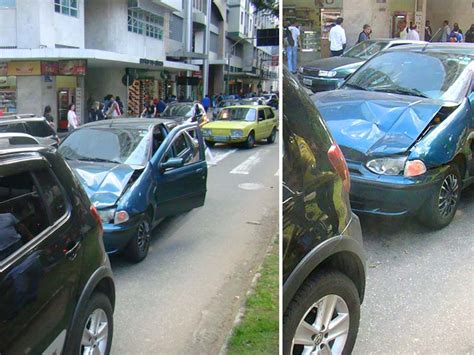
(307, 81)
(220, 138)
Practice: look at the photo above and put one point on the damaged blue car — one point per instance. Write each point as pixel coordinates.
(136, 172)
(405, 123)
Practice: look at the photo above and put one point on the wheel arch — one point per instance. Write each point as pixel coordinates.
(339, 254)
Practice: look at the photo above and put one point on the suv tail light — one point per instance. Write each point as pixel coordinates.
(95, 214)
(339, 164)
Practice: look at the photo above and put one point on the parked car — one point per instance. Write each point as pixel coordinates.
(137, 172)
(405, 122)
(37, 127)
(244, 124)
(323, 256)
(57, 292)
(185, 112)
(221, 105)
(328, 73)
(271, 100)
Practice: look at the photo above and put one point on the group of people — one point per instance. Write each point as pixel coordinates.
(455, 34)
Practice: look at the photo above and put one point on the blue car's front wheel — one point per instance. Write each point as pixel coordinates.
(138, 247)
(442, 206)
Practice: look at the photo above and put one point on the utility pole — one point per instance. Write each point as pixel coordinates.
(188, 36)
(205, 67)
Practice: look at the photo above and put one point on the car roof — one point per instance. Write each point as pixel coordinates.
(132, 122)
(455, 48)
(19, 149)
(249, 106)
(21, 119)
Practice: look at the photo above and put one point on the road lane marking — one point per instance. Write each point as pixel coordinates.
(277, 172)
(247, 165)
(215, 157)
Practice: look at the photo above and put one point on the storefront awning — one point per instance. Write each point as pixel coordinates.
(95, 58)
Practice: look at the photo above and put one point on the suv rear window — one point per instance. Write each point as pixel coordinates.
(39, 129)
(12, 128)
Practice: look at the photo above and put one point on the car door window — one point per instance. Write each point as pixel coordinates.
(261, 115)
(269, 113)
(52, 194)
(13, 128)
(22, 212)
(184, 146)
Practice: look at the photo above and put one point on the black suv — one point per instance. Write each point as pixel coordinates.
(57, 293)
(37, 127)
(323, 257)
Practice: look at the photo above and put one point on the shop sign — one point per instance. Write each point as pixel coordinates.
(3, 68)
(155, 63)
(72, 67)
(24, 68)
(49, 68)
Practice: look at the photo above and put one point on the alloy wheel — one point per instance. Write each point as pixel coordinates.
(143, 237)
(448, 195)
(95, 335)
(324, 328)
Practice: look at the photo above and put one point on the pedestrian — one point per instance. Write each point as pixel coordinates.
(365, 34)
(404, 29)
(100, 112)
(107, 100)
(120, 104)
(114, 109)
(48, 116)
(160, 106)
(206, 102)
(337, 38)
(470, 35)
(149, 110)
(446, 32)
(413, 34)
(292, 39)
(72, 119)
(428, 31)
(455, 35)
(93, 112)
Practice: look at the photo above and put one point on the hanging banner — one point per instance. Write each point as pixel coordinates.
(24, 68)
(49, 68)
(72, 67)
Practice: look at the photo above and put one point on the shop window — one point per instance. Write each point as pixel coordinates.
(7, 95)
(66, 7)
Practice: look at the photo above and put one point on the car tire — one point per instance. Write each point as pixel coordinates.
(137, 248)
(322, 289)
(271, 138)
(97, 310)
(210, 144)
(250, 142)
(435, 215)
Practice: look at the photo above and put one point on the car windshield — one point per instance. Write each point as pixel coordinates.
(177, 110)
(365, 50)
(108, 144)
(248, 102)
(428, 74)
(227, 103)
(238, 114)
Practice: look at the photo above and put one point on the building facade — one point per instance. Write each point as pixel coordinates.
(58, 52)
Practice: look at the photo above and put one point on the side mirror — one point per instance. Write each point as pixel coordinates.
(172, 163)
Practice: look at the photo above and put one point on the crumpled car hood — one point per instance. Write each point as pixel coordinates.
(374, 123)
(104, 183)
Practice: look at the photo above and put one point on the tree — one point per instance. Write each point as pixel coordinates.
(269, 7)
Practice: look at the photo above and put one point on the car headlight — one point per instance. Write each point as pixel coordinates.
(236, 133)
(328, 74)
(111, 215)
(387, 166)
(206, 132)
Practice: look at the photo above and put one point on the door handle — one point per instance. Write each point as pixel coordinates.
(72, 248)
(200, 170)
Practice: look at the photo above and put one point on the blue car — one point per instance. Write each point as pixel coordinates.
(137, 172)
(405, 123)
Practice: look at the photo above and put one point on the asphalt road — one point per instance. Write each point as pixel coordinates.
(184, 296)
(420, 286)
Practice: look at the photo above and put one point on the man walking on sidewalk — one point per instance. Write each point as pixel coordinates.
(292, 40)
(337, 37)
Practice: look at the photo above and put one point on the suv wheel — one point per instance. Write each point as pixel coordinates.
(250, 142)
(137, 248)
(442, 206)
(93, 332)
(323, 317)
(272, 136)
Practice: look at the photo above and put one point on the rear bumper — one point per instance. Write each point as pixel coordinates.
(393, 195)
(117, 236)
(317, 84)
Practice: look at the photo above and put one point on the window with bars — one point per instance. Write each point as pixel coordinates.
(144, 23)
(66, 7)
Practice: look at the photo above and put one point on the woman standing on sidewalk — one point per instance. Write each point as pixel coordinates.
(72, 120)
